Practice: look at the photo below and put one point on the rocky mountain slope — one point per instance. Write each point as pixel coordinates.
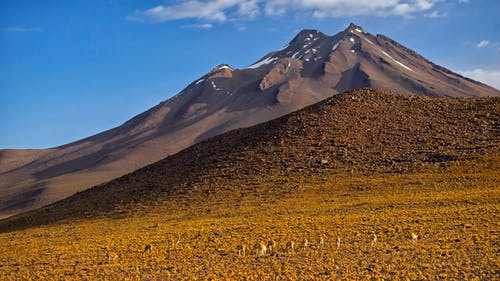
(311, 68)
(363, 131)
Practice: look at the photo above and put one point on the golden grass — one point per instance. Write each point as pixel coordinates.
(453, 211)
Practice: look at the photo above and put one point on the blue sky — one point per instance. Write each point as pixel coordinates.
(70, 69)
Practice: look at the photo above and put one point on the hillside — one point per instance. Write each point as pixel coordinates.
(313, 66)
(365, 131)
(367, 184)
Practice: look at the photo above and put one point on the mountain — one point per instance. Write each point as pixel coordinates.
(311, 68)
(364, 131)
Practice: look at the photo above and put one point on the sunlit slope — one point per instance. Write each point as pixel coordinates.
(452, 210)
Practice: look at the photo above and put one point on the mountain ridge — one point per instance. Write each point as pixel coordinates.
(313, 67)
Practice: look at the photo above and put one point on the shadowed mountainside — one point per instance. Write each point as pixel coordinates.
(365, 131)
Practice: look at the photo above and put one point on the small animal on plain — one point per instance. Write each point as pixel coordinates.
(260, 249)
(305, 243)
(290, 245)
(338, 242)
(241, 250)
(148, 248)
(414, 236)
(321, 242)
(374, 241)
(271, 246)
(111, 256)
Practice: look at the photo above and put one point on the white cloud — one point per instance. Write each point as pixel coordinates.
(249, 9)
(345, 8)
(205, 25)
(489, 77)
(483, 43)
(21, 29)
(237, 10)
(212, 11)
(435, 15)
(199, 26)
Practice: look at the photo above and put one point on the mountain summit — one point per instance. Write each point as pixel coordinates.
(311, 68)
(355, 58)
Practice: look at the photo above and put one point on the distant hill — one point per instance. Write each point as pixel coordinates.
(311, 68)
(364, 131)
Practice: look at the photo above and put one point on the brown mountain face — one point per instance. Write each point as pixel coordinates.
(311, 68)
(12, 158)
(363, 131)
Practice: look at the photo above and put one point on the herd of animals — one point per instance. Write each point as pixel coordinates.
(271, 247)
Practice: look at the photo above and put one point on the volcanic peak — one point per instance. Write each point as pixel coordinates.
(308, 42)
(354, 28)
(307, 35)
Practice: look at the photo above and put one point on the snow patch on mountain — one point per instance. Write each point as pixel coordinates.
(404, 66)
(283, 48)
(265, 61)
(336, 45)
(396, 61)
(297, 55)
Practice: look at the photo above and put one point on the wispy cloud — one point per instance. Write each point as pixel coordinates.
(483, 43)
(199, 26)
(346, 8)
(435, 15)
(249, 9)
(490, 77)
(209, 11)
(21, 29)
(220, 11)
(205, 25)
